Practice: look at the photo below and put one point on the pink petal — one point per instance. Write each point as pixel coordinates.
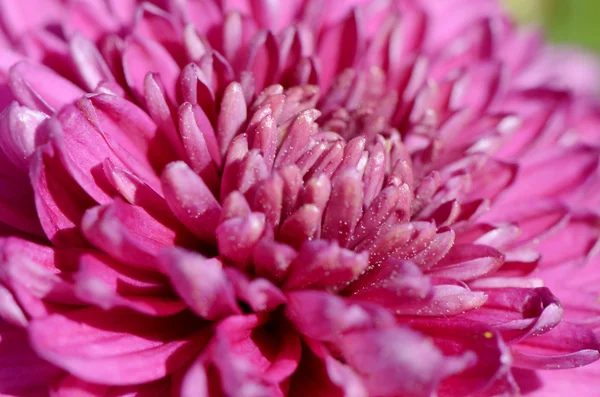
(237, 237)
(467, 262)
(321, 264)
(141, 56)
(118, 347)
(191, 200)
(22, 372)
(259, 293)
(325, 317)
(200, 282)
(380, 356)
(36, 87)
(566, 346)
(128, 233)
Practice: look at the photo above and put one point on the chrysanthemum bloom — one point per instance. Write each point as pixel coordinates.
(299, 198)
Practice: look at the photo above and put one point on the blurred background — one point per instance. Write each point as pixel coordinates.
(565, 21)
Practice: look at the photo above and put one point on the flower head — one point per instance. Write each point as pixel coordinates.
(258, 198)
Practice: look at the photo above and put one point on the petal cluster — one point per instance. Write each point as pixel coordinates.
(303, 198)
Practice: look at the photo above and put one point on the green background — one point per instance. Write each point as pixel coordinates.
(565, 21)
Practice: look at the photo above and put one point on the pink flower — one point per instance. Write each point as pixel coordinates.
(303, 198)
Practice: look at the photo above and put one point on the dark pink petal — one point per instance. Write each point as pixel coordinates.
(191, 200)
(272, 259)
(268, 197)
(393, 284)
(297, 138)
(117, 347)
(237, 237)
(458, 337)
(389, 368)
(128, 233)
(325, 317)
(22, 372)
(200, 282)
(321, 264)
(71, 386)
(259, 293)
(133, 190)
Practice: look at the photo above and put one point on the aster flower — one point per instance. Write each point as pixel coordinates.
(256, 198)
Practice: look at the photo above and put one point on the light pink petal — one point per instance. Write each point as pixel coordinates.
(468, 262)
(200, 282)
(59, 201)
(141, 56)
(197, 143)
(38, 87)
(344, 208)
(232, 116)
(89, 64)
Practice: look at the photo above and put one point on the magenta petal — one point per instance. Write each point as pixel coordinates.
(191, 200)
(10, 311)
(200, 282)
(566, 346)
(116, 348)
